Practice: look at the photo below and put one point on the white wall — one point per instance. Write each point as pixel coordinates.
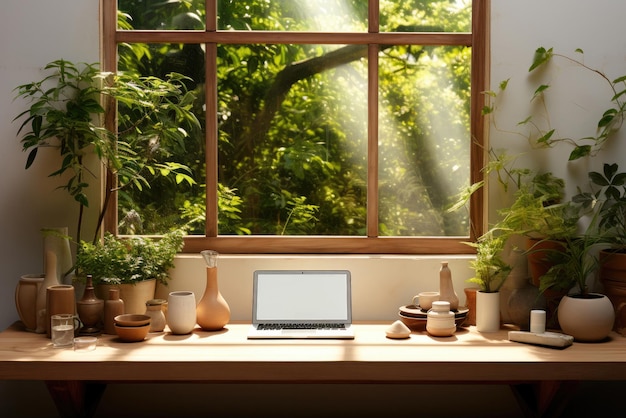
(34, 32)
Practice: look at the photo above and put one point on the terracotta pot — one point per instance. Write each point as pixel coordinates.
(134, 296)
(587, 318)
(538, 253)
(60, 299)
(613, 278)
(470, 302)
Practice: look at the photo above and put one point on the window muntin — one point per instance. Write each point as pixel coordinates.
(371, 237)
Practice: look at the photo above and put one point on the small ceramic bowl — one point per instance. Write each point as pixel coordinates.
(132, 320)
(85, 343)
(132, 334)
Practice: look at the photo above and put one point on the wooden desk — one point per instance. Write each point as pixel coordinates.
(542, 378)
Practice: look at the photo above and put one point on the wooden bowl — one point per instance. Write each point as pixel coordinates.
(132, 320)
(132, 334)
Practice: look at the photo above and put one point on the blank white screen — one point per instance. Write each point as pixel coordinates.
(302, 297)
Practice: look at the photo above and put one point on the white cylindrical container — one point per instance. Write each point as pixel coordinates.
(440, 320)
(181, 312)
(487, 311)
(538, 321)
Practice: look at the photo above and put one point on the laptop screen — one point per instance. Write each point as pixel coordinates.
(301, 296)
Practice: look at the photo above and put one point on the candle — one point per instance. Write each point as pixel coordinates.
(537, 321)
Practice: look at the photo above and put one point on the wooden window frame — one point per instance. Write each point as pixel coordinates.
(372, 243)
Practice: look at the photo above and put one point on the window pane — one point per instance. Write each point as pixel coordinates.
(161, 15)
(425, 16)
(294, 15)
(424, 139)
(166, 203)
(293, 138)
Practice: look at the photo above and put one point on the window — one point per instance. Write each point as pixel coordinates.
(328, 126)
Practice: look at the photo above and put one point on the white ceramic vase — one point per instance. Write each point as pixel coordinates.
(586, 319)
(57, 240)
(487, 311)
(181, 312)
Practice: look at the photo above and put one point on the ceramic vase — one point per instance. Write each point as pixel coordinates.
(113, 307)
(588, 319)
(154, 309)
(90, 309)
(470, 302)
(181, 312)
(60, 299)
(26, 298)
(212, 311)
(446, 289)
(487, 311)
(50, 279)
(57, 240)
(134, 295)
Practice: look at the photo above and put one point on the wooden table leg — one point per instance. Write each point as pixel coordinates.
(75, 398)
(545, 398)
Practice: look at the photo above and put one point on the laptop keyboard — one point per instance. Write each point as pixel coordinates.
(301, 326)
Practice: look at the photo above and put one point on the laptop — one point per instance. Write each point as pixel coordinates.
(301, 304)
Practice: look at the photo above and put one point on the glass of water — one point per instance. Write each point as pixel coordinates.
(62, 328)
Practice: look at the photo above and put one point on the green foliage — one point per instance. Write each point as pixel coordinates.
(65, 113)
(572, 264)
(610, 121)
(293, 135)
(489, 266)
(129, 260)
(606, 204)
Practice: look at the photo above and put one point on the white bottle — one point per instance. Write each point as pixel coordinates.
(440, 320)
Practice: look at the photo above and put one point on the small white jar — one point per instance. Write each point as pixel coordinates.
(440, 320)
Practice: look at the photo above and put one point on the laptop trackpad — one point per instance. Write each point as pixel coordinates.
(297, 332)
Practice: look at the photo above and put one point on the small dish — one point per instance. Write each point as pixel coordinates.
(85, 343)
(132, 320)
(132, 334)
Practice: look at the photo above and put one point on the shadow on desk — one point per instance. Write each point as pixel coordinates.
(30, 399)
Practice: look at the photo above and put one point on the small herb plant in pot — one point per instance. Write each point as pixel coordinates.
(129, 263)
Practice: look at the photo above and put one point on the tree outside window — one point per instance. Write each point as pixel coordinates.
(341, 126)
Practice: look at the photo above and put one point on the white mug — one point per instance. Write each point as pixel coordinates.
(181, 312)
(425, 299)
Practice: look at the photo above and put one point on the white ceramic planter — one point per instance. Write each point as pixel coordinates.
(487, 311)
(586, 319)
(181, 312)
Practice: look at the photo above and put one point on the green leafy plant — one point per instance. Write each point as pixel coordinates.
(489, 266)
(66, 111)
(129, 260)
(606, 204)
(574, 262)
(609, 122)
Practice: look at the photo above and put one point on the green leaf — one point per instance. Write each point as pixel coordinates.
(541, 56)
(31, 157)
(539, 90)
(579, 152)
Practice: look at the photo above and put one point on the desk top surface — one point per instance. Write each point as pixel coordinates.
(228, 355)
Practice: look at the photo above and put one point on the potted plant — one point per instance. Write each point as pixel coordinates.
(587, 316)
(134, 264)
(66, 111)
(606, 201)
(491, 272)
